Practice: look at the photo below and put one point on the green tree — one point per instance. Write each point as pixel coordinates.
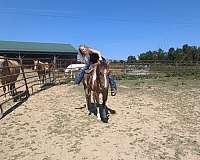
(161, 54)
(171, 54)
(179, 55)
(131, 59)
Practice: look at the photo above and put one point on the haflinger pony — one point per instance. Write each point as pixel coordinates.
(42, 69)
(9, 72)
(96, 83)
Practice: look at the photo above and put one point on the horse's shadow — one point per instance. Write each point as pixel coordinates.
(104, 115)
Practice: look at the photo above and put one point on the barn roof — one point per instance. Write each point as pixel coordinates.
(36, 47)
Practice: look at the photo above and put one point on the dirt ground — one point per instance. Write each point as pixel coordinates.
(155, 119)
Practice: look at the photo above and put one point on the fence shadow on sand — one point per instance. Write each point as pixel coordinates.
(19, 100)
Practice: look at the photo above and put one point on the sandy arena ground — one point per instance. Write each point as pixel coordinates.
(156, 119)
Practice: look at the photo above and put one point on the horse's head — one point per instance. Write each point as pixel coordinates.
(102, 73)
(35, 62)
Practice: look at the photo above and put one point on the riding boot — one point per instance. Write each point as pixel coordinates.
(113, 85)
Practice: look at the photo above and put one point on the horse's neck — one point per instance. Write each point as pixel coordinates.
(96, 74)
(102, 78)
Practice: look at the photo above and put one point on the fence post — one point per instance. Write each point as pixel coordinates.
(24, 76)
(54, 63)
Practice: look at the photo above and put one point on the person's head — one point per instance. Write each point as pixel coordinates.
(83, 49)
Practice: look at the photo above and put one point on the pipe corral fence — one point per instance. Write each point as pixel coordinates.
(155, 69)
(27, 82)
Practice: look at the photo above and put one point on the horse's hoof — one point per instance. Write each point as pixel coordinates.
(105, 120)
(112, 111)
(99, 118)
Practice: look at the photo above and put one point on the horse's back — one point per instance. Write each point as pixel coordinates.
(14, 68)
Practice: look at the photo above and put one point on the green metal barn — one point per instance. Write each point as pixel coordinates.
(36, 50)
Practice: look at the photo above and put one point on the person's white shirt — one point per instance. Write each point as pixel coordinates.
(86, 59)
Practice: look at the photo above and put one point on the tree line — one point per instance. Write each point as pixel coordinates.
(185, 54)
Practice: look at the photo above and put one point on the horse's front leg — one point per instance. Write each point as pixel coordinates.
(14, 89)
(104, 113)
(96, 102)
(4, 90)
(11, 89)
(40, 79)
(105, 98)
(49, 76)
(44, 78)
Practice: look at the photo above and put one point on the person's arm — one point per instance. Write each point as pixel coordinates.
(97, 52)
(103, 59)
(81, 57)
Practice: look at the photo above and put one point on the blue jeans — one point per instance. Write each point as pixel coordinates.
(80, 76)
(112, 82)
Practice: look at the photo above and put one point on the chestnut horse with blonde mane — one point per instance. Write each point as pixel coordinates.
(42, 70)
(9, 72)
(96, 82)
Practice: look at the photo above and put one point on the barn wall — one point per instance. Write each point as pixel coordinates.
(63, 59)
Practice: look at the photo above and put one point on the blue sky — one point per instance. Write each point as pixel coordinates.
(118, 28)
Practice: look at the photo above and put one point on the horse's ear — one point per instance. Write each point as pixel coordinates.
(108, 62)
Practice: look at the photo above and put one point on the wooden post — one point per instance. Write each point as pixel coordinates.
(24, 76)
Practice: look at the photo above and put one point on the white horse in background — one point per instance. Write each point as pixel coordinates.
(72, 69)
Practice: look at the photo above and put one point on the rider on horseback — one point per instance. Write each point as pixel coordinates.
(90, 56)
